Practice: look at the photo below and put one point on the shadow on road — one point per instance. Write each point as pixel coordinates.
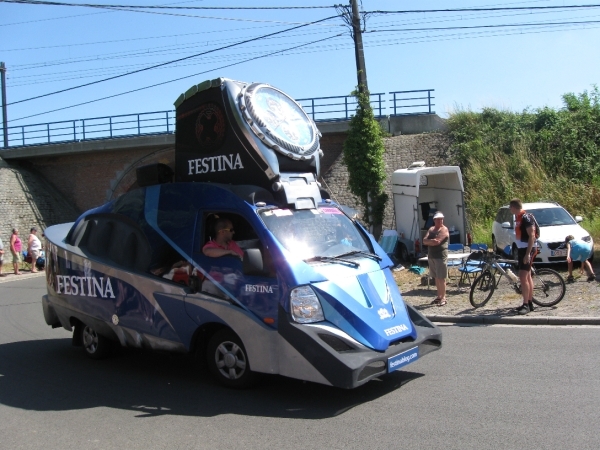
(51, 375)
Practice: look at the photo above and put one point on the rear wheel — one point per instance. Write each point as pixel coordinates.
(495, 245)
(548, 287)
(228, 361)
(482, 289)
(94, 345)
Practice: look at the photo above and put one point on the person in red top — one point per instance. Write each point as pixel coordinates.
(223, 243)
(525, 234)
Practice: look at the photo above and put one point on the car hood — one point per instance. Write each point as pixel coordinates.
(560, 232)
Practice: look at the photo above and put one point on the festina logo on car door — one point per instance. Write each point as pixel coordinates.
(84, 286)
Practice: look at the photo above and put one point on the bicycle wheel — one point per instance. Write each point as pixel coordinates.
(482, 289)
(548, 287)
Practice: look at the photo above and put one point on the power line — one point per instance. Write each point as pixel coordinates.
(145, 52)
(178, 79)
(487, 26)
(516, 8)
(96, 5)
(171, 62)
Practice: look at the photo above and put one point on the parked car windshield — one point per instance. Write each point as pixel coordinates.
(548, 217)
(315, 232)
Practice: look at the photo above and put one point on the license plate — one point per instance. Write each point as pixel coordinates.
(402, 359)
(561, 252)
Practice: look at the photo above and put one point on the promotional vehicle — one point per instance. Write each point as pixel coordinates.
(418, 193)
(313, 296)
(555, 224)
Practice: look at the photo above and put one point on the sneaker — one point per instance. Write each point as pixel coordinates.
(570, 279)
(524, 309)
(592, 277)
(530, 304)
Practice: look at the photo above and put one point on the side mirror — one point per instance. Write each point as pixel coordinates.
(253, 262)
(578, 219)
(507, 225)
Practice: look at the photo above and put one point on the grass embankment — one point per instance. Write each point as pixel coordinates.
(542, 154)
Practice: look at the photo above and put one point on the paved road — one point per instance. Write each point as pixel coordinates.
(486, 388)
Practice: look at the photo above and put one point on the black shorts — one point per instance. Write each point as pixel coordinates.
(521, 254)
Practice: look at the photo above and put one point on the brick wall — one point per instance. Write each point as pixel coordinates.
(27, 200)
(90, 179)
(46, 190)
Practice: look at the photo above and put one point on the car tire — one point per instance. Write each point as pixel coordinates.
(95, 346)
(495, 245)
(228, 361)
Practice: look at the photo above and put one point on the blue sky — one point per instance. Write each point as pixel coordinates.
(51, 48)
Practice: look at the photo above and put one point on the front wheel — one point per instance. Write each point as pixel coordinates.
(482, 289)
(548, 287)
(228, 361)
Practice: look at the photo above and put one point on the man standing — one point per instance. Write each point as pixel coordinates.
(437, 256)
(525, 239)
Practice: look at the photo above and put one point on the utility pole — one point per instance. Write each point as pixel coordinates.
(361, 68)
(4, 113)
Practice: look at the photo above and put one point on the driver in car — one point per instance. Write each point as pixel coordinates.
(223, 243)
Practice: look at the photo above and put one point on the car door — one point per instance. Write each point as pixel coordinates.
(228, 278)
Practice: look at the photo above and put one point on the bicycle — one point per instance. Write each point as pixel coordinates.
(548, 285)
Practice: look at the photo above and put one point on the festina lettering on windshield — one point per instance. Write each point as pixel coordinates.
(84, 286)
(214, 164)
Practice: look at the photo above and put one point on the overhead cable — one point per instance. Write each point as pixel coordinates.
(179, 79)
(171, 62)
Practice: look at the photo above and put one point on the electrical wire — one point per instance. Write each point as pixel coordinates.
(97, 5)
(169, 62)
(176, 79)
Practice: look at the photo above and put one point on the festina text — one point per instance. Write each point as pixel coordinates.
(218, 163)
(84, 286)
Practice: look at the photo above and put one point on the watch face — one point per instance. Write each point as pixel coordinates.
(281, 119)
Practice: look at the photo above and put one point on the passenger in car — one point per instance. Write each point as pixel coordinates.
(579, 250)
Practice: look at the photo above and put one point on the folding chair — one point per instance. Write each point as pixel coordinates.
(27, 261)
(472, 266)
(388, 242)
(454, 263)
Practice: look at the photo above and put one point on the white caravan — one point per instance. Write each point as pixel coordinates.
(418, 193)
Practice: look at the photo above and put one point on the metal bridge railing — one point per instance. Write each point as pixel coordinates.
(160, 122)
(321, 109)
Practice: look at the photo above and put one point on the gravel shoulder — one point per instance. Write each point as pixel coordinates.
(582, 298)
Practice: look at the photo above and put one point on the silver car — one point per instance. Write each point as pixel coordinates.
(555, 224)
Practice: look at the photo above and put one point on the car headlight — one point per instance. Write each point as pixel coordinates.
(587, 239)
(305, 306)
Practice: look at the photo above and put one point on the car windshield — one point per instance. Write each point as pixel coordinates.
(310, 233)
(548, 217)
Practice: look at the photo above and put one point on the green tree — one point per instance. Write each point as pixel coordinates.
(363, 155)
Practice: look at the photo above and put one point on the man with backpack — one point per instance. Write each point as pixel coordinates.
(526, 231)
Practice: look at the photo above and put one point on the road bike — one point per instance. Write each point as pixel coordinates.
(548, 285)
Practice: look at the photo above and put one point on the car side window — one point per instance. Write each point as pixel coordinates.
(500, 215)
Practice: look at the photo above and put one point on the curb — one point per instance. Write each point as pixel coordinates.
(12, 277)
(496, 320)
